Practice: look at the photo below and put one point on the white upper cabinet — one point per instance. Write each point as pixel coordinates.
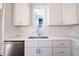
(54, 14)
(21, 14)
(62, 14)
(69, 13)
(0, 5)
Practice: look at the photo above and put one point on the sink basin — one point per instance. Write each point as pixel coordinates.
(42, 37)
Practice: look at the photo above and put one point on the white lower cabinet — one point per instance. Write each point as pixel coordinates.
(31, 43)
(0, 49)
(61, 43)
(38, 51)
(62, 47)
(61, 51)
(45, 52)
(45, 43)
(38, 48)
(31, 52)
(75, 48)
(75, 52)
(48, 48)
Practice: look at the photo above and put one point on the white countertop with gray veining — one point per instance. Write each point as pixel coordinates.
(49, 38)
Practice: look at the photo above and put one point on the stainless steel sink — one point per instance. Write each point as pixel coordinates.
(42, 37)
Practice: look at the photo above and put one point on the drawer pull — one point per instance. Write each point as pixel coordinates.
(61, 44)
(61, 51)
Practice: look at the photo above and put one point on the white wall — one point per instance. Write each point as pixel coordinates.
(75, 31)
(9, 28)
(0, 25)
(12, 31)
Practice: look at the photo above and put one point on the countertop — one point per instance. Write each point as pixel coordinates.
(49, 38)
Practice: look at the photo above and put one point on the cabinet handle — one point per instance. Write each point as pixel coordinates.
(61, 51)
(61, 44)
(36, 51)
(39, 50)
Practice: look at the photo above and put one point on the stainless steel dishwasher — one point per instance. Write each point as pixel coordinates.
(14, 48)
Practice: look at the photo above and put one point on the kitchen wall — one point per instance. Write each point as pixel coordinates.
(0, 25)
(11, 31)
(75, 31)
(8, 27)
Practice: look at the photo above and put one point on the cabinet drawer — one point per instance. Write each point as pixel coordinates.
(61, 43)
(45, 43)
(31, 43)
(62, 51)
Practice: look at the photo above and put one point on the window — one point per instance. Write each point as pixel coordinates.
(39, 15)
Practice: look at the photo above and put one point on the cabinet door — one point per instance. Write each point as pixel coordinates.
(78, 11)
(38, 51)
(75, 48)
(31, 52)
(45, 43)
(54, 14)
(0, 49)
(75, 51)
(21, 14)
(31, 43)
(0, 5)
(69, 13)
(45, 52)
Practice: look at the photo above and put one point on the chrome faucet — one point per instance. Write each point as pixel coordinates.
(38, 32)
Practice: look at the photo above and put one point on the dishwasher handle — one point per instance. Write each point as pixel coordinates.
(14, 42)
